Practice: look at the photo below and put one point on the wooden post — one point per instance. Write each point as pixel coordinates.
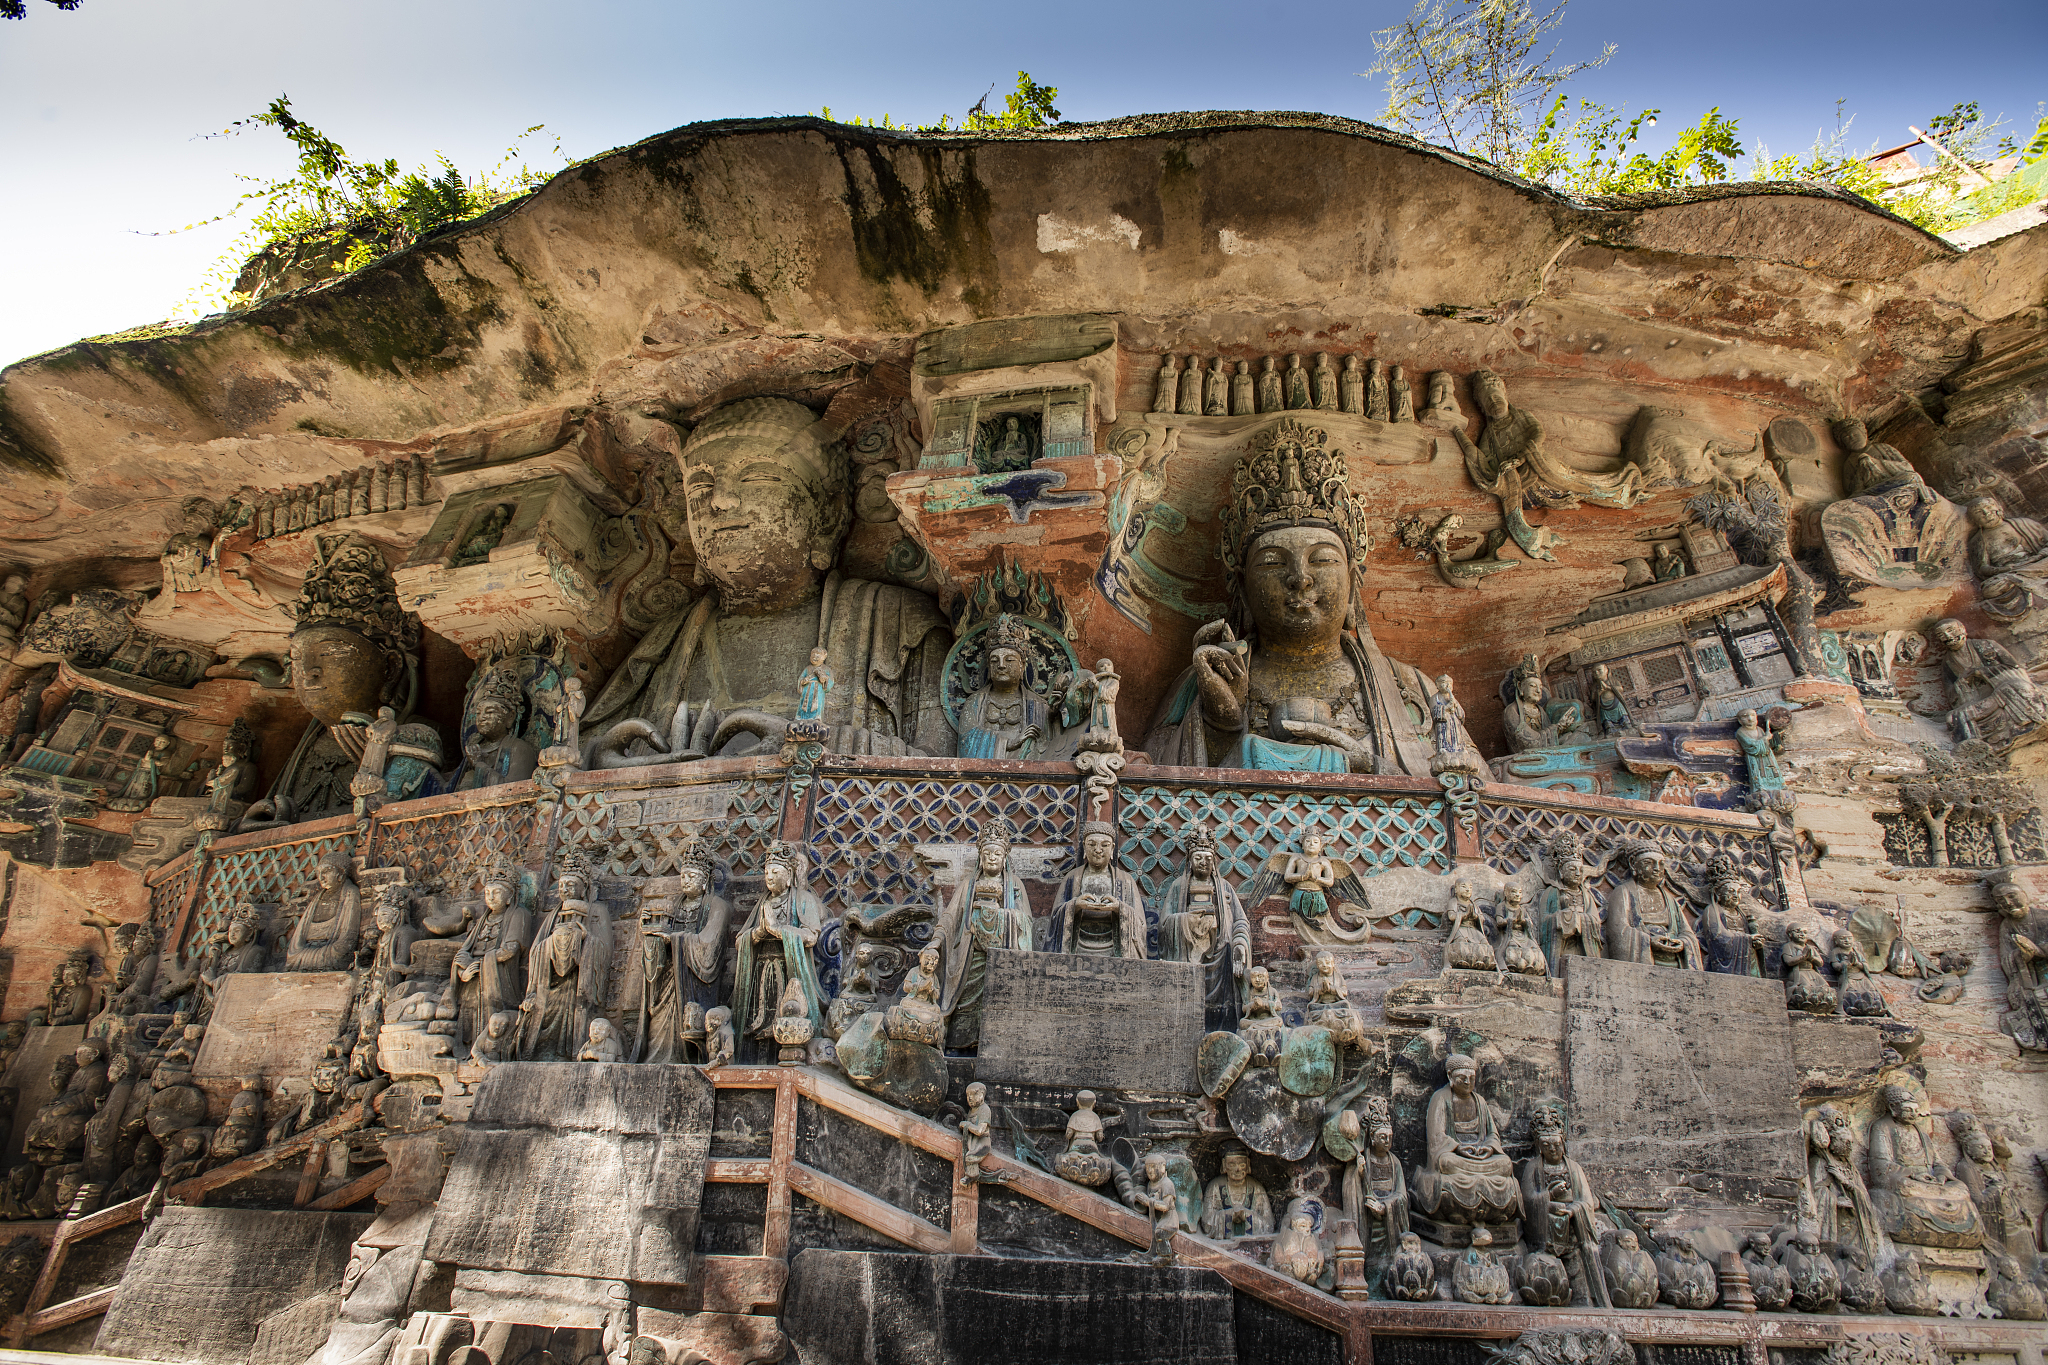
(781, 1152)
(966, 1219)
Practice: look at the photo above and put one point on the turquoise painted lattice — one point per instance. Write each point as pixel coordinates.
(1511, 834)
(1253, 824)
(263, 875)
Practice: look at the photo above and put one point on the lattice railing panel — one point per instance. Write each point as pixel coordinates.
(638, 832)
(453, 848)
(854, 818)
(1252, 824)
(262, 875)
(1511, 835)
(169, 896)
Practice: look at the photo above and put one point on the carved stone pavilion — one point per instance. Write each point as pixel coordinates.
(1217, 738)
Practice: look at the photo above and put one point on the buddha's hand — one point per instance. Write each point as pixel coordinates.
(1357, 753)
(1221, 676)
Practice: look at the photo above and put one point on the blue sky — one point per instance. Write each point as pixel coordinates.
(104, 105)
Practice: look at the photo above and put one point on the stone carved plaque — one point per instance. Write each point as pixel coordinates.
(1104, 1022)
(582, 1168)
(273, 1024)
(1676, 1078)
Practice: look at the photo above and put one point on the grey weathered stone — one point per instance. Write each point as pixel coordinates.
(879, 1308)
(202, 1281)
(272, 1024)
(1680, 1078)
(538, 1300)
(1107, 1022)
(291, 1335)
(579, 1168)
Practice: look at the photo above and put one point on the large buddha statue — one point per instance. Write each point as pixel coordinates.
(767, 494)
(1918, 1198)
(1292, 679)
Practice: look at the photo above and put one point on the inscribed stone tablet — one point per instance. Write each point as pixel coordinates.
(272, 1024)
(202, 1281)
(1679, 1077)
(579, 1168)
(1110, 1022)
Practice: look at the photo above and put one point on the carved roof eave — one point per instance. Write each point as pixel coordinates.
(1712, 594)
(127, 687)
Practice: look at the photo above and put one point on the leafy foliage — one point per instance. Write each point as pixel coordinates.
(338, 214)
(15, 9)
(1028, 106)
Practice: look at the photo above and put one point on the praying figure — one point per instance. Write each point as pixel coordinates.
(568, 969)
(1646, 919)
(813, 685)
(1234, 1205)
(1201, 920)
(775, 949)
(1568, 912)
(987, 911)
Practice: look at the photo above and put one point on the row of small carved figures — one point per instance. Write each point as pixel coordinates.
(372, 488)
(1376, 391)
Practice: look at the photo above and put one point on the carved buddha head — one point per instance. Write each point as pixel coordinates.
(1459, 1073)
(1098, 842)
(1851, 435)
(336, 672)
(767, 501)
(1987, 513)
(1902, 1103)
(1490, 393)
(1297, 585)
(1237, 1167)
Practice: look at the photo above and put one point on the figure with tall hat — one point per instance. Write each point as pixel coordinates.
(775, 947)
(987, 911)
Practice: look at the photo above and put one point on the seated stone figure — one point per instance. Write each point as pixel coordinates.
(767, 494)
(1646, 915)
(1532, 720)
(1917, 1198)
(1466, 1178)
(1892, 529)
(1292, 678)
(1234, 1205)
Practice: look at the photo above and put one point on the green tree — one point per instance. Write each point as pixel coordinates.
(15, 9)
(1027, 106)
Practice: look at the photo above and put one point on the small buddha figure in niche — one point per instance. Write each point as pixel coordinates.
(813, 685)
(324, 939)
(1324, 381)
(1805, 988)
(1532, 720)
(988, 910)
(1466, 1177)
(1568, 912)
(1243, 400)
(1329, 1007)
(1467, 947)
(1351, 387)
(1298, 395)
(1005, 717)
(1234, 1205)
(1667, 564)
(1646, 918)
(483, 537)
(1518, 949)
(1270, 397)
(1100, 909)
(1201, 920)
(1008, 447)
(1916, 1195)
(775, 949)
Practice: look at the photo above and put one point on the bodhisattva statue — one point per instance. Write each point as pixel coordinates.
(1532, 720)
(766, 490)
(324, 939)
(1646, 918)
(1835, 1193)
(490, 966)
(1918, 1198)
(1562, 1208)
(1568, 912)
(1730, 940)
(988, 910)
(1292, 679)
(1994, 697)
(1201, 920)
(682, 952)
(567, 970)
(775, 947)
(1100, 909)
(1466, 1178)
(1375, 1187)
(1005, 717)
(494, 753)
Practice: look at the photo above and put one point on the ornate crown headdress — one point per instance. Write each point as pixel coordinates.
(1198, 837)
(785, 855)
(501, 872)
(350, 586)
(1548, 1118)
(694, 852)
(1566, 844)
(573, 865)
(1288, 477)
(500, 685)
(1009, 633)
(1377, 1111)
(994, 830)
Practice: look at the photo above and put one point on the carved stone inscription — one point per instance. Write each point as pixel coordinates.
(273, 1024)
(1106, 1022)
(1679, 1077)
(592, 1170)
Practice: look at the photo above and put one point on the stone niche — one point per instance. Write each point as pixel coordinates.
(513, 556)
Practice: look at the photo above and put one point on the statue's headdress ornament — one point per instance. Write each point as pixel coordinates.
(1566, 845)
(1289, 477)
(786, 856)
(500, 685)
(573, 864)
(350, 586)
(695, 852)
(1548, 1118)
(1377, 1111)
(995, 830)
(1198, 837)
(501, 872)
(1009, 633)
